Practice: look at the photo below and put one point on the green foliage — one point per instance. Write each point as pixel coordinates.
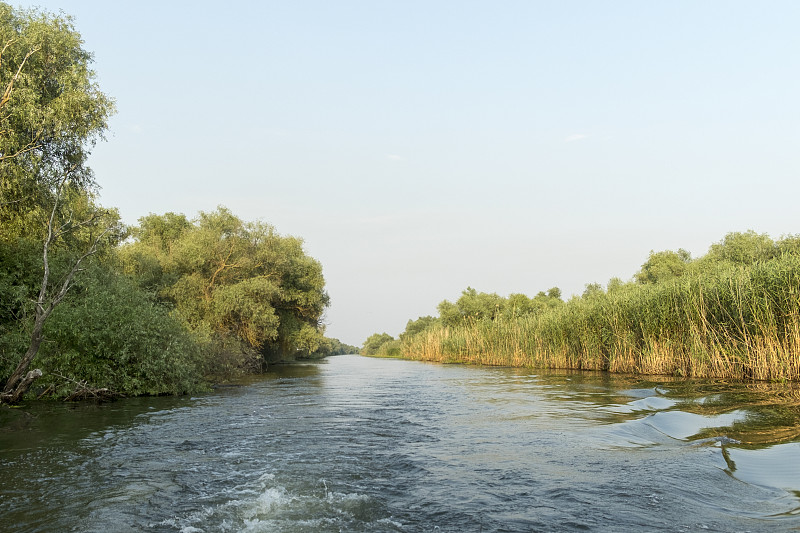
(518, 305)
(21, 272)
(206, 297)
(392, 348)
(663, 266)
(52, 117)
(110, 334)
(374, 343)
(743, 248)
(472, 305)
(554, 293)
(789, 244)
(414, 327)
(329, 347)
(106, 332)
(478, 306)
(734, 314)
(592, 290)
(241, 281)
(615, 284)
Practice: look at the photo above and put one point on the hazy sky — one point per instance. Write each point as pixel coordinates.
(420, 147)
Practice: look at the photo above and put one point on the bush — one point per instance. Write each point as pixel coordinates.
(110, 334)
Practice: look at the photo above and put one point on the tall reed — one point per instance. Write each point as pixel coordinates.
(736, 322)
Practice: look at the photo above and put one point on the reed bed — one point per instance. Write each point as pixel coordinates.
(734, 322)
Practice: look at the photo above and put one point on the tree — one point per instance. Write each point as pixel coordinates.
(374, 343)
(48, 298)
(554, 292)
(663, 266)
(240, 281)
(51, 115)
(614, 285)
(471, 305)
(110, 335)
(743, 248)
(592, 290)
(449, 314)
(329, 346)
(51, 111)
(414, 327)
(518, 304)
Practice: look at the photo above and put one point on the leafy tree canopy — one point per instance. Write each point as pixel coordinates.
(474, 305)
(743, 248)
(234, 278)
(51, 109)
(374, 343)
(662, 266)
(413, 327)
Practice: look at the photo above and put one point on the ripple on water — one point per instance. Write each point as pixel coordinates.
(775, 466)
(650, 403)
(661, 422)
(382, 446)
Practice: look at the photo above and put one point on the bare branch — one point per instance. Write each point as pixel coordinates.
(6, 97)
(10, 86)
(31, 146)
(75, 269)
(223, 265)
(17, 384)
(5, 47)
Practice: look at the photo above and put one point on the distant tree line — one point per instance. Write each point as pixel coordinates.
(471, 306)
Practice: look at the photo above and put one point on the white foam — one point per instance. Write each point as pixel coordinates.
(268, 503)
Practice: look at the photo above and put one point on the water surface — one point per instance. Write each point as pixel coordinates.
(358, 444)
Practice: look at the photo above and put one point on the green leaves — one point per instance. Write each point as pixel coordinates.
(663, 266)
(478, 306)
(374, 343)
(244, 309)
(240, 280)
(111, 334)
(51, 111)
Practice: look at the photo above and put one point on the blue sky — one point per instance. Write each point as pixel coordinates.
(420, 147)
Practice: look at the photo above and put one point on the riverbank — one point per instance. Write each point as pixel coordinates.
(717, 318)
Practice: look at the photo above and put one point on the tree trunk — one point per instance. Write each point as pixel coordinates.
(18, 379)
(17, 386)
(16, 395)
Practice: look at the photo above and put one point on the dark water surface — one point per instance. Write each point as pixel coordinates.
(357, 444)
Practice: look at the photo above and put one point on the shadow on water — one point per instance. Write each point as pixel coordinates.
(62, 424)
(51, 423)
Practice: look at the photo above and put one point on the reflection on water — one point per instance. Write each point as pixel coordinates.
(356, 444)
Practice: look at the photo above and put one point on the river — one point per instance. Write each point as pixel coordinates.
(359, 444)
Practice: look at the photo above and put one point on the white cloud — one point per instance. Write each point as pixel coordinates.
(575, 137)
(394, 157)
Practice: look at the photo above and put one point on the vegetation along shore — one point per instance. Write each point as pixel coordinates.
(94, 308)
(733, 313)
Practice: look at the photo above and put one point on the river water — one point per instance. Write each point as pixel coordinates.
(359, 444)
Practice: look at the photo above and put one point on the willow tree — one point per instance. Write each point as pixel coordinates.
(663, 266)
(232, 280)
(51, 115)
